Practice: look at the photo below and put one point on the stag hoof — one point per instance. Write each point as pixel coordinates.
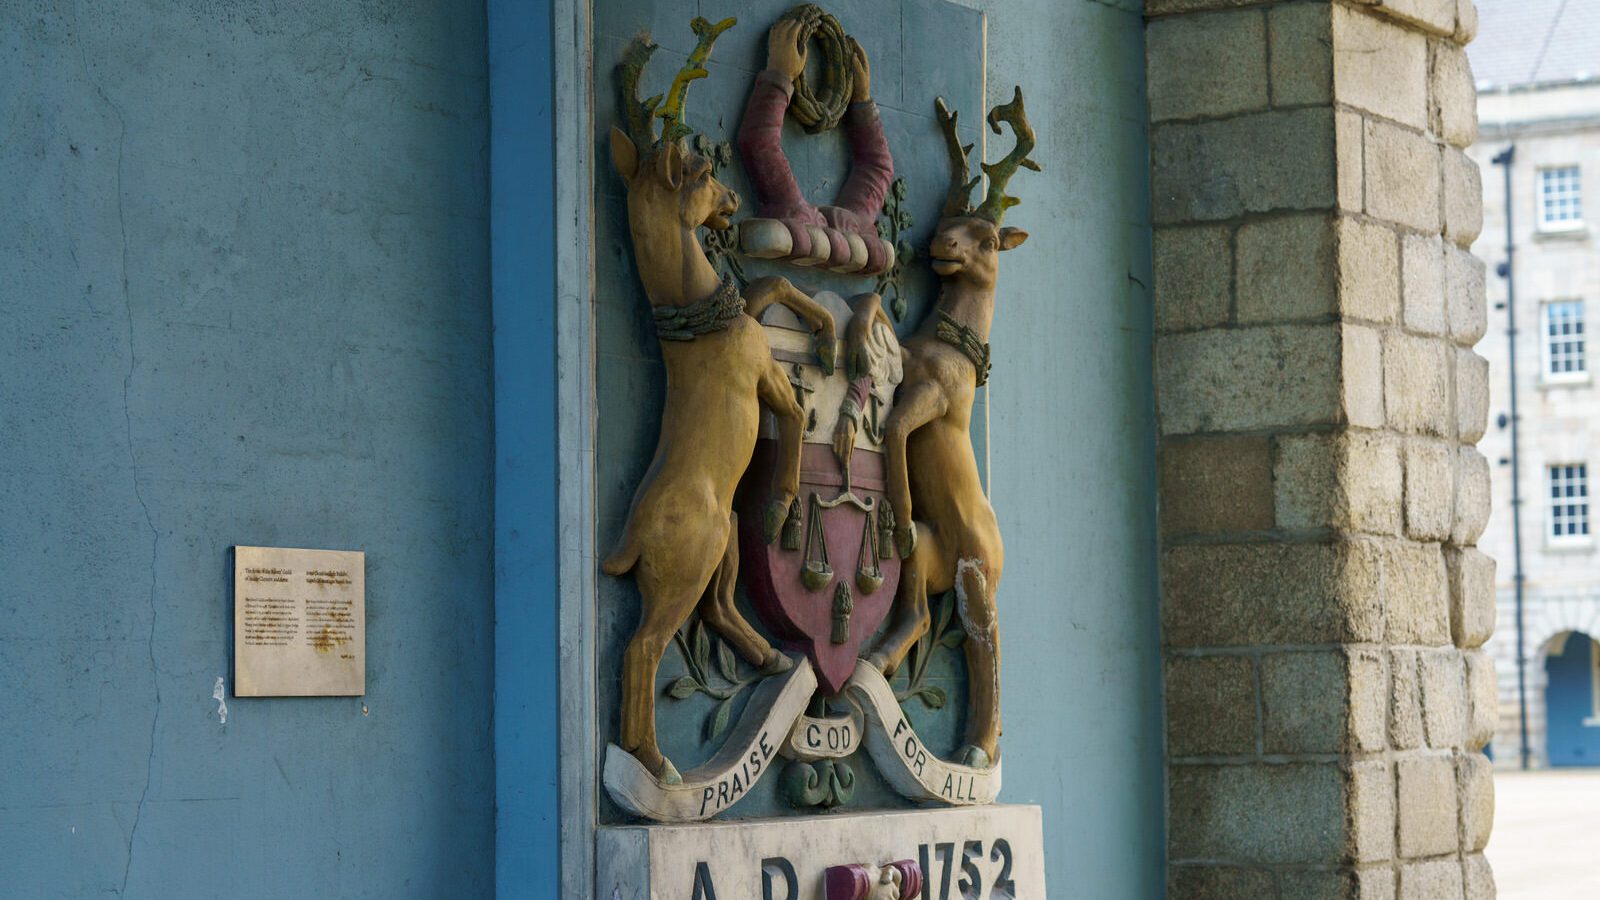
(905, 540)
(856, 364)
(777, 663)
(668, 773)
(881, 662)
(974, 756)
(827, 350)
(772, 519)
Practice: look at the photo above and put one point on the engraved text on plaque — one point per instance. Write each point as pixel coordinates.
(299, 622)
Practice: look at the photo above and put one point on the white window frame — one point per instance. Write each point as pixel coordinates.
(1547, 356)
(1542, 210)
(1555, 519)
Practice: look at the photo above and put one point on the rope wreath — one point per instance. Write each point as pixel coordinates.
(821, 111)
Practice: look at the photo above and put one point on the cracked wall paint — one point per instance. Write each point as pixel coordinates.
(245, 301)
(127, 416)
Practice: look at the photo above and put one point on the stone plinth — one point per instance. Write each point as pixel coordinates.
(1000, 848)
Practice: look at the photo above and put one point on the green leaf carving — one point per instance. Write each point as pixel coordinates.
(694, 645)
(726, 663)
(827, 783)
(942, 634)
(842, 781)
(702, 646)
(719, 720)
(802, 784)
(894, 221)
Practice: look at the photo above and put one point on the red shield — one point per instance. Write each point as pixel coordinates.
(828, 595)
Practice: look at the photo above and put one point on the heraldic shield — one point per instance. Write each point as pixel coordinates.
(828, 583)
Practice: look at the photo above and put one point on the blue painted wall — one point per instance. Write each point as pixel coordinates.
(1569, 701)
(1073, 438)
(243, 299)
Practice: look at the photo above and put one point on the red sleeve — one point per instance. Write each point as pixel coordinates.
(859, 390)
(871, 166)
(761, 151)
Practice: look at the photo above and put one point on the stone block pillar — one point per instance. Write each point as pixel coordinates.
(1323, 605)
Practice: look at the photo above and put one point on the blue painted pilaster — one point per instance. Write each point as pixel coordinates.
(522, 217)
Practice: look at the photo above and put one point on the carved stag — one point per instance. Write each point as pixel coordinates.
(681, 536)
(932, 473)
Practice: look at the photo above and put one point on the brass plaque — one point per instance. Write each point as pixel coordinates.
(299, 622)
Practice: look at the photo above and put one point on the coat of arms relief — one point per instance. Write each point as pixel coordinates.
(813, 527)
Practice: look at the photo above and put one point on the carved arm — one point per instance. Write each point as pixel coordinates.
(761, 148)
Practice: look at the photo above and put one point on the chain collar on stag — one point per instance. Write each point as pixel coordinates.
(966, 340)
(685, 323)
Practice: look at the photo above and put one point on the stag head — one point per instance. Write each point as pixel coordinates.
(667, 181)
(968, 240)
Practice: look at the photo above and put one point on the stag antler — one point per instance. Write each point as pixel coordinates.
(672, 111)
(997, 202)
(641, 113)
(638, 113)
(958, 202)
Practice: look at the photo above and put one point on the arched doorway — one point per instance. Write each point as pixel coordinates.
(1572, 692)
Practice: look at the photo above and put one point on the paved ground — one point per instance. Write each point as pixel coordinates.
(1546, 839)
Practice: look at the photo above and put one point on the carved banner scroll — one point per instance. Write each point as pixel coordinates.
(903, 757)
(813, 738)
(774, 723)
(727, 777)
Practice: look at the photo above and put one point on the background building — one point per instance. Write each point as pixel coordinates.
(1537, 65)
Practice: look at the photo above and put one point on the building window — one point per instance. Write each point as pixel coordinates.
(1562, 327)
(1560, 199)
(1569, 502)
